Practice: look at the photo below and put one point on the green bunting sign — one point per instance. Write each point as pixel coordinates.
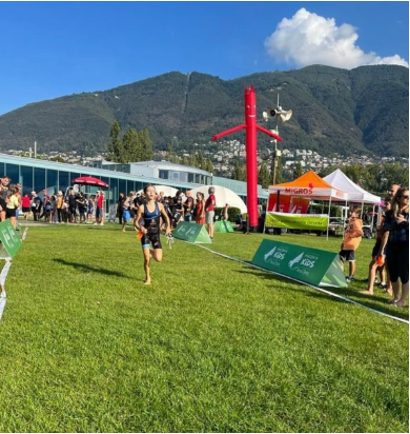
(192, 232)
(318, 267)
(223, 226)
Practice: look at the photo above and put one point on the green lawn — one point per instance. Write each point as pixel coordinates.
(211, 346)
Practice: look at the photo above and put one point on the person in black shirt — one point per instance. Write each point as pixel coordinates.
(148, 224)
(120, 209)
(82, 207)
(72, 206)
(396, 240)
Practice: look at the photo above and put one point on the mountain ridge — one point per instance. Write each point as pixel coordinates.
(364, 110)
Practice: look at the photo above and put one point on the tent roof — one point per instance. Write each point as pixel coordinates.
(307, 180)
(309, 185)
(223, 196)
(354, 192)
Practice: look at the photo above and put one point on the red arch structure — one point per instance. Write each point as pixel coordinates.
(251, 128)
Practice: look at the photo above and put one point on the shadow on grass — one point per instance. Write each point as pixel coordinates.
(87, 269)
(373, 302)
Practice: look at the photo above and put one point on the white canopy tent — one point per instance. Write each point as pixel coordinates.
(167, 190)
(354, 192)
(223, 196)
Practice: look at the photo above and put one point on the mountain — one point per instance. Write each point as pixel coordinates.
(364, 110)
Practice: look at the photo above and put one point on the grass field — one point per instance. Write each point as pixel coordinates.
(211, 346)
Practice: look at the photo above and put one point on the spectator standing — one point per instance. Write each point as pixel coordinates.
(12, 204)
(396, 242)
(100, 208)
(59, 206)
(36, 205)
(200, 209)
(188, 207)
(126, 208)
(26, 203)
(72, 206)
(120, 207)
(352, 238)
(82, 207)
(4, 191)
(210, 211)
(90, 211)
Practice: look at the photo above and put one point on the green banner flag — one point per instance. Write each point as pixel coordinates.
(192, 232)
(10, 241)
(297, 221)
(318, 267)
(223, 226)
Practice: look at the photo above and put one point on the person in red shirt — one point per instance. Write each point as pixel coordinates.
(25, 203)
(210, 211)
(99, 216)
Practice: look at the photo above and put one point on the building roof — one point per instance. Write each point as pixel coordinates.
(167, 165)
(87, 170)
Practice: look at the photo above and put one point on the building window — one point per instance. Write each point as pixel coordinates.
(39, 179)
(26, 179)
(183, 176)
(122, 184)
(130, 187)
(191, 177)
(163, 174)
(63, 181)
(12, 171)
(52, 181)
(174, 176)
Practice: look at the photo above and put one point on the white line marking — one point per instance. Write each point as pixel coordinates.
(2, 306)
(304, 283)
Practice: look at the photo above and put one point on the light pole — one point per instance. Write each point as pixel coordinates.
(283, 116)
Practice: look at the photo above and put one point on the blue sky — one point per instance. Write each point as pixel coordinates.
(51, 49)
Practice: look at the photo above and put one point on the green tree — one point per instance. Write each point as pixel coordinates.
(131, 147)
(193, 161)
(201, 160)
(174, 159)
(239, 171)
(209, 166)
(146, 145)
(170, 151)
(58, 159)
(114, 146)
(264, 176)
(298, 172)
(185, 161)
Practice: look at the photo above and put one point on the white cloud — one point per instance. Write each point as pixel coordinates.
(307, 39)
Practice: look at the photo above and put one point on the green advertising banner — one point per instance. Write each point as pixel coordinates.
(223, 226)
(10, 241)
(318, 267)
(192, 232)
(297, 221)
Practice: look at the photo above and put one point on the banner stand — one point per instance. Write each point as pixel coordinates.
(10, 241)
(192, 232)
(223, 226)
(313, 266)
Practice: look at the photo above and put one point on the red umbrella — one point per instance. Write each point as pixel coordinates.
(89, 180)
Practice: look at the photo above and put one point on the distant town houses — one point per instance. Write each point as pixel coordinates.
(225, 154)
